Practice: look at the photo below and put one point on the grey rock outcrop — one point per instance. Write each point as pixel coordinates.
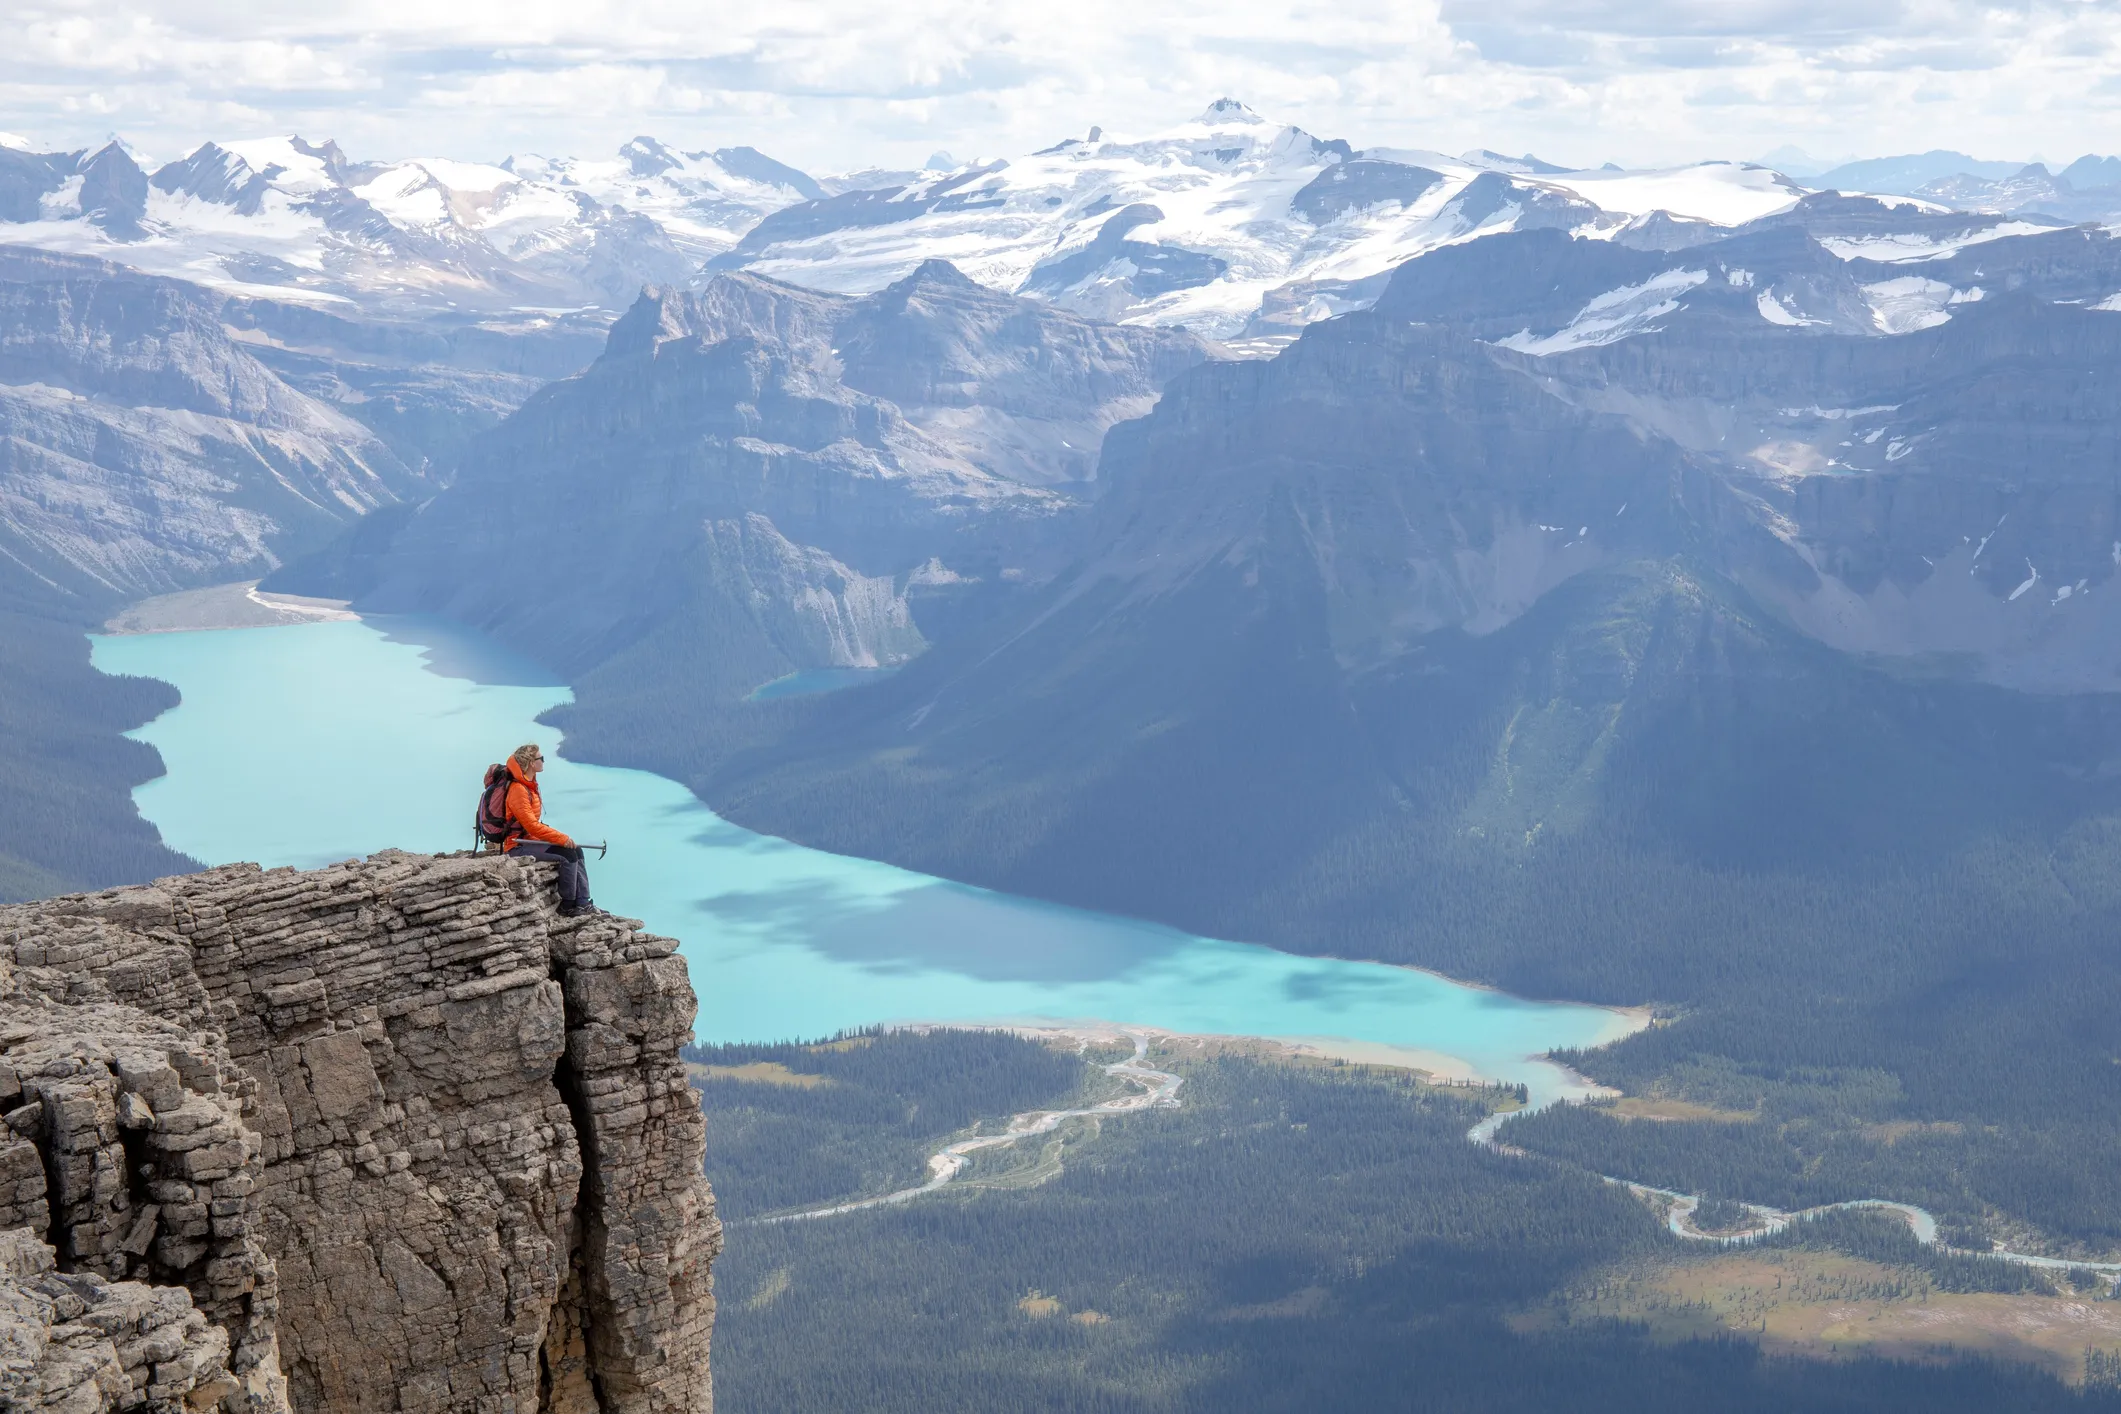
(125, 1145)
(385, 1136)
(809, 605)
(73, 1342)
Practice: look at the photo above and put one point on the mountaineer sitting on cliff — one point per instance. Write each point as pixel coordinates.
(529, 836)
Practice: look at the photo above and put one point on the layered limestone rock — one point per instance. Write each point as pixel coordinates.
(390, 1135)
(72, 1341)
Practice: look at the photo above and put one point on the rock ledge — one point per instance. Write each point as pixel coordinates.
(388, 1135)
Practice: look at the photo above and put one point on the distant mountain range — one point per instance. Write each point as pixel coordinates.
(826, 480)
(1231, 225)
(293, 220)
(1854, 456)
(1872, 422)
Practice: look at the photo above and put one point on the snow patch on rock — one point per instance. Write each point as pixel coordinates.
(1911, 302)
(1614, 315)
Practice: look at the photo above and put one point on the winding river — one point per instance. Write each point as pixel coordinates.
(1679, 1209)
(309, 743)
(1151, 1087)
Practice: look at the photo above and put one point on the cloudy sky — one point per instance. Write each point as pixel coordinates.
(834, 84)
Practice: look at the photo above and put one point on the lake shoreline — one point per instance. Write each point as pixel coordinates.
(798, 942)
(239, 604)
(1434, 1067)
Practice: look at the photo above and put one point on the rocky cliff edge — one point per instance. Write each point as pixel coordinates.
(388, 1135)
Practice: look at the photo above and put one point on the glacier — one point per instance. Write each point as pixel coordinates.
(1238, 228)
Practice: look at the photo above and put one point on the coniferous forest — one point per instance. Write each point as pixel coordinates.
(66, 775)
(1284, 1239)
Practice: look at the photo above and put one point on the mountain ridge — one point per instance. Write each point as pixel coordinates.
(1257, 227)
(798, 467)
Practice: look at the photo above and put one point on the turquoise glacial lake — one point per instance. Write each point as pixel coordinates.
(308, 744)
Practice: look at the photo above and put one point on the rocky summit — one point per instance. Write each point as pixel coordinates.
(389, 1135)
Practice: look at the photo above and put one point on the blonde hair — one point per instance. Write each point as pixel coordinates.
(522, 754)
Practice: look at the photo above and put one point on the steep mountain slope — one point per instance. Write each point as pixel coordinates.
(427, 387)
(1384, 587)
(758, 479)
(1922, 451)
(1728, 433)
(141, 449)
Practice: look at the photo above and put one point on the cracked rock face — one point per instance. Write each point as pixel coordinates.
(389, 1135)
(75, 1342)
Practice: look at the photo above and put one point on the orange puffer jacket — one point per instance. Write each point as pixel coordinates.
(526, 808)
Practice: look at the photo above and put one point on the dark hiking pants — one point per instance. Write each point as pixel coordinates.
(574, 876)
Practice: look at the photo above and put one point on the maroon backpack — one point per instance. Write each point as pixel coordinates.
(492, 819)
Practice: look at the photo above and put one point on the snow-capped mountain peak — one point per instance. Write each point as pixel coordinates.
(214, 173)
(1230, 223)
(299, 220)
(645, 157)
(1226, 110)
(292, 165)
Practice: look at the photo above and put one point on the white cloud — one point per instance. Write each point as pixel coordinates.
(840, 83)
